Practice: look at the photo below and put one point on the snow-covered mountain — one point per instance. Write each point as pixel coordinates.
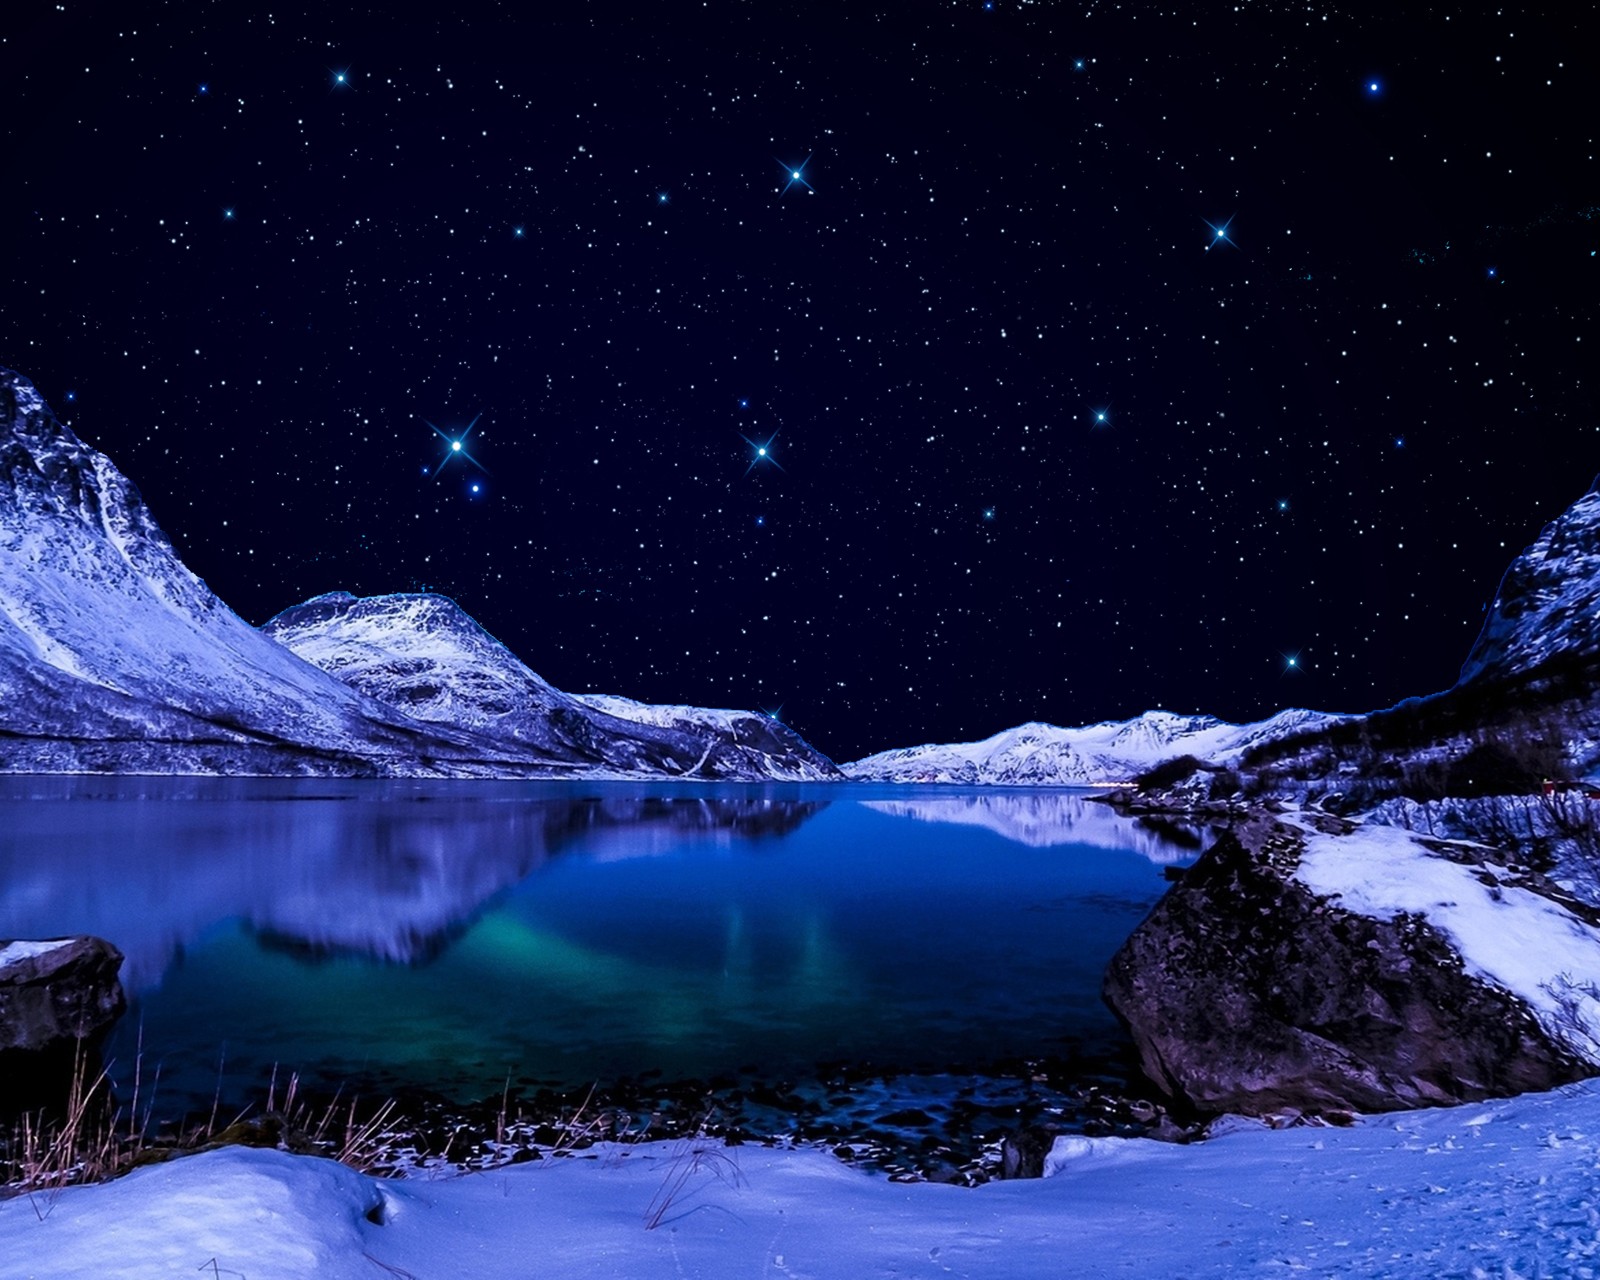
(115, 657)
(1113, 751)
(1549, 600)
(424, 654)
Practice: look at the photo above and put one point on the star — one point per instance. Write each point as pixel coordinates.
(988, 513)
(763, 452)
(1291, 663)
(339, 79)
(1219, 234)
(227, 215)
(663, 197)
(1374, 88)
(203, 89)
(456, 447)
(517, 233)
(1100, 417)
(796, 176)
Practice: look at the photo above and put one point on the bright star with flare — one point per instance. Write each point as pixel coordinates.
(762, 452)
(456, 447)
(1219, 234)
(795, 176)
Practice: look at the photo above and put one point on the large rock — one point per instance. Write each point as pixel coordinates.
(58, 991)
(1246, 991)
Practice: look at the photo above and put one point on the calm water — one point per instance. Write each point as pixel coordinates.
(448, 935)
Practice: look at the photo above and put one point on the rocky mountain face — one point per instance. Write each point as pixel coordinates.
(115, 658)
(1548, 604)
(1112, 752)
(1526, 708)
(423, 654)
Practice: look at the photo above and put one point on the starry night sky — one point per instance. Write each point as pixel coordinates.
(253, 251)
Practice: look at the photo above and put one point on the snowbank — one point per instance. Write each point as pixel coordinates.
(1503, 1188)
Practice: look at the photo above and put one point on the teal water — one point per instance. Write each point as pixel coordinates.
(449, 936)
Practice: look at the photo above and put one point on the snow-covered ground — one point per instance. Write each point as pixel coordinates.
(1502, 1189)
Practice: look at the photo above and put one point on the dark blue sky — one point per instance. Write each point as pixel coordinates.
(255, 284)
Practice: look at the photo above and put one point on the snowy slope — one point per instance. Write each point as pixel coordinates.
(1114, 751)
(113, 655)
(424, 654)
(1502, 1189)
(1549, 600)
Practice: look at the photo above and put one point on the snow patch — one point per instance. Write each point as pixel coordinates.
(1512, 937)
(16, 952)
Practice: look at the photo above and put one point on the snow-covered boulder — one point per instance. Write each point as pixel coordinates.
(1112, 752)
(65, 989)
(1334, 966)
(425, 655)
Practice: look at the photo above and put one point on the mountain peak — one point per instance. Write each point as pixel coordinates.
(1548, 602)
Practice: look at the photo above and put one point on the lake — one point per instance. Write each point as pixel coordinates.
(450, 936)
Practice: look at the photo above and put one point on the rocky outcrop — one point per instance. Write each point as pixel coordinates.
(56, 992)
(1247, 991)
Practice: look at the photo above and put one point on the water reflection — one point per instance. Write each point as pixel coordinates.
(1044, 819)
(449, 935)
(390, 871)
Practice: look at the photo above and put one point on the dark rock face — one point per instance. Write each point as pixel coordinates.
(1247, 992)
(55, 992)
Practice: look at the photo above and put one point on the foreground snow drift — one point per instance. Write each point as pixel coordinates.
(1505, 1188)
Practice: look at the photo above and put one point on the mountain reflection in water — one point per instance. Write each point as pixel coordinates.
(389, 871)
(449, 935)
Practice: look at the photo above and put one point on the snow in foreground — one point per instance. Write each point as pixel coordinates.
(1505, 1189)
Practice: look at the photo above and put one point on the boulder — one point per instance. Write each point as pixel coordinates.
(60, 990)
(1247, 992)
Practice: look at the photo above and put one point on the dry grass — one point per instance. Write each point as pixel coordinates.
(700, 1154)
(88, 1138)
